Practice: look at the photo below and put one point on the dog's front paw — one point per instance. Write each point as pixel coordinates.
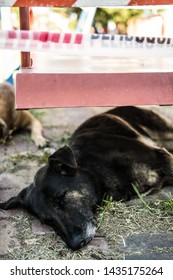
(41, 141)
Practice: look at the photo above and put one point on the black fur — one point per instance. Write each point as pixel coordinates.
(106, 155)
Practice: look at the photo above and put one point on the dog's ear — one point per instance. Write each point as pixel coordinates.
(15, 202)
(63, 161)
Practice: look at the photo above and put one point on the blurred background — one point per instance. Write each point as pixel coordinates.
(156, 22)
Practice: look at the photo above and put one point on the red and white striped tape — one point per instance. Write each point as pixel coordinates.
(28, 40)
(86, 44)
(81, 3)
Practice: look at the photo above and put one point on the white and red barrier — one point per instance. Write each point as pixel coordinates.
(86, 44)
(82, 3)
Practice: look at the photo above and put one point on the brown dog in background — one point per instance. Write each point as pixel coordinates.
(10, 119)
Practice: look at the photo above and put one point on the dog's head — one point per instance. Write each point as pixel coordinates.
(62, 195)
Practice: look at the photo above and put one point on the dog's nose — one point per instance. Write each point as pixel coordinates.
(82, 237)
(78, 242)
(85, 242)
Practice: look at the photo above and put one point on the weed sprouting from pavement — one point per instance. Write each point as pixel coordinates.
(140, 196)
(104, 208)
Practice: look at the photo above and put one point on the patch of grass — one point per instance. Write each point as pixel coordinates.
(140, 196)
(65, 137)
(165, 206)
(42, 157)
(158, 205)
(104, 208)
(117, 221)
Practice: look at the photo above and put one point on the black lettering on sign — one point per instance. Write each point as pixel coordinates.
(161, 40)
(151, 40)
(114, 40)
(105, 37)
(168, 41)
(129, 38)
(140, 40)
(93, 38)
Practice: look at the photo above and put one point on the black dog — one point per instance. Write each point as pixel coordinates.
(107, 154)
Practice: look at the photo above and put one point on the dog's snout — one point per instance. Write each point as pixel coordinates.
(79, 242)
(85, 241)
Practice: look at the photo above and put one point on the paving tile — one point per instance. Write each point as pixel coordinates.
(98, 242)
(39, 228)
(9, 213)
(8, 185)
(149, 246)
(7, 180)
(9, 240)
(150, 256)
(148, 241)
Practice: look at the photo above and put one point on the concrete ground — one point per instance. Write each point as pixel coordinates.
(19, 161)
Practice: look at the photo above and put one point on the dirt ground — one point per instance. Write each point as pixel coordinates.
(134, 231)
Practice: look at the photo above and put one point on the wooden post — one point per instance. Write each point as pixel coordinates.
(26, 61)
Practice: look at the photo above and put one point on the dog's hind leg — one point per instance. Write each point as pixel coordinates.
(24, 119)
(149, 123)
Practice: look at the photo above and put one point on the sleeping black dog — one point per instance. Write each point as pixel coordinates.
(107, 154)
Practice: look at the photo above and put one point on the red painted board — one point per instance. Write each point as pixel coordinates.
(46, 3)
(150, 2)
(39, 90)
